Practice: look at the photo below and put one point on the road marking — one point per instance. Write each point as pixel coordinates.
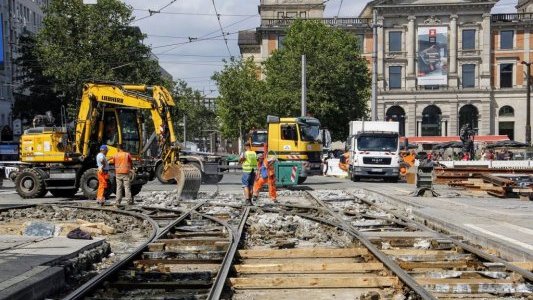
(7, 192)
(519, 228)
(510, 240)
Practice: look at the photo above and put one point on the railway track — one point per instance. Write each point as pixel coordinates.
(188, 258)
(389, 250)
(315, 245)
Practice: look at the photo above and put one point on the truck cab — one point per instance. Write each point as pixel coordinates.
(374, 150)
(296, 139)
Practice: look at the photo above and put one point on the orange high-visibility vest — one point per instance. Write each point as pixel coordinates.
(122, 163)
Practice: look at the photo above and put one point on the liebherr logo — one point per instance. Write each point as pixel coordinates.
(112, 99)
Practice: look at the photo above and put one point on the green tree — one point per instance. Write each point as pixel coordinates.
(240, 105)
(35, 94)
(338, 80)
(190, 103)
(80, 43)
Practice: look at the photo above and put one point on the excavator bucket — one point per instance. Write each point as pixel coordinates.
(187, 177)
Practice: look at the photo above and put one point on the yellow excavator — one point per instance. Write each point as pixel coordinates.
(109, 113)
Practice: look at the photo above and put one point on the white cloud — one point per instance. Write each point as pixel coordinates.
(196, 62)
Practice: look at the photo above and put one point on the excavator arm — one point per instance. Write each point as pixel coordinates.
(155, 99)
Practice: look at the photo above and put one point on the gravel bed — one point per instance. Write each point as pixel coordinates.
(270, 230)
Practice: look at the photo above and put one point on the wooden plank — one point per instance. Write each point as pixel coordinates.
(527, 265)
(303, 252)
(312, 282)
(308, 268)
(462, 281)
(399, 252)
(410, 265)
(194, 242)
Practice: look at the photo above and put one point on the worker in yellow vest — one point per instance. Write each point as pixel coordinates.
(249, 164)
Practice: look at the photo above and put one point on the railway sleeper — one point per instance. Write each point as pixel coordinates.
(150, 276)
(475, 286)
(207, 255)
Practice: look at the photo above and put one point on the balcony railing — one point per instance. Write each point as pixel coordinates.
(335, 22)
(521, 17)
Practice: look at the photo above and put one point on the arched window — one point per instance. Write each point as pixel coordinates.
(396, 113)
(506, 111)
(468, 114)
(431, 125)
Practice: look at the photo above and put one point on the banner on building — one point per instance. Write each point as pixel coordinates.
(432, 55)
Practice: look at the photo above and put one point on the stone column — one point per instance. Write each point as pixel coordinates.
(410, 44)
(410, 38)
(485, 52)
(453, 44)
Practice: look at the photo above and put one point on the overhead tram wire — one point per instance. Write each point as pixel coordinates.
(194, 14)
(221, 29)
(339, 11)
(153, 12)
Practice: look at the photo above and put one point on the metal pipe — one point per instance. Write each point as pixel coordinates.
(304, 87)
(528, 103)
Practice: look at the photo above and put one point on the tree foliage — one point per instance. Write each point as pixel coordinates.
(80, 43)
(36, 93)
(338, 80)
(240, 105)
(189, 103)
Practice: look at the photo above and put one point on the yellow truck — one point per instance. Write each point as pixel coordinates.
(57, 160)
(296, 139)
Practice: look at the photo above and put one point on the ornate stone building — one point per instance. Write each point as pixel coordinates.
(441, 64)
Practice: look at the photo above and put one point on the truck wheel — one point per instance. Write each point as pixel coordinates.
(158, 174)
(391, 179)
(355, 178)
(30, 184)
(69, 193)
(302, 179)
(89, 183)
(213, 179)
(136, 189)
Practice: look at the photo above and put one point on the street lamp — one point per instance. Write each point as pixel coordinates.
(528, 95)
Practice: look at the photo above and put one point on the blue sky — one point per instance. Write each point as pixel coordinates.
(181, 21)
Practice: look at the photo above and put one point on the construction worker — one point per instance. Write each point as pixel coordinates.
(123, 167)
(249, 163)
(266, 174)
(103, 175)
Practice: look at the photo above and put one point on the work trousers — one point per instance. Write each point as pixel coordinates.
(103, 177)
(123, 181)
(260, 181)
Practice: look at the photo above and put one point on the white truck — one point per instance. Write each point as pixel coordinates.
(374, 148)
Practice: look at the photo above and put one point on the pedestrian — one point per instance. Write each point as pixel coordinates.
(249, 163)
(266, 174)
(103, 175)
(123, 167)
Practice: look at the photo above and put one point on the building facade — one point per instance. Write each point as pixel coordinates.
(16, 16)
(440, 64)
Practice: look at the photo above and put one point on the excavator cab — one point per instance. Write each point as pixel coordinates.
(121, 126)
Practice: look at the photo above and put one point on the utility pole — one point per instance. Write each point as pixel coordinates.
(184, 131)
(528, 103)
(304, 87)
(374, 100)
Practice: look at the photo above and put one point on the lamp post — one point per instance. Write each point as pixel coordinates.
(528, 103)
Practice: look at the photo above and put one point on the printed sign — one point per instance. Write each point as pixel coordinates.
(432, 55)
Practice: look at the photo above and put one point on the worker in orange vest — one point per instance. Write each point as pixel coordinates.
(123, 167)
(266, 174)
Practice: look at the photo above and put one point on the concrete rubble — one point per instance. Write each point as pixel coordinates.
(268, 229)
